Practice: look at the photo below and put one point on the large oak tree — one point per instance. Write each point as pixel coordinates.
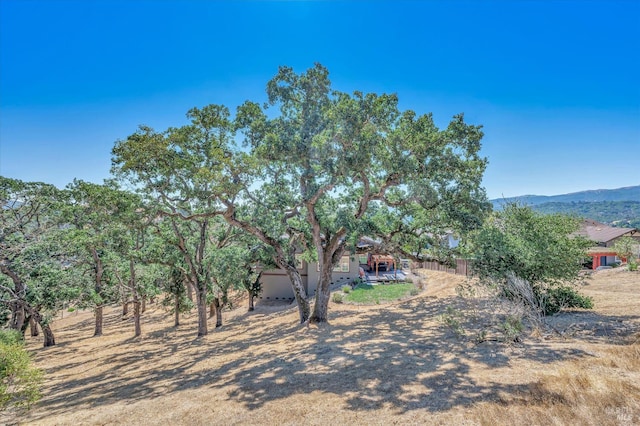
(336, 155)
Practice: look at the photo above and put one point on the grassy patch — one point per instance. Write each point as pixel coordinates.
(372, 294)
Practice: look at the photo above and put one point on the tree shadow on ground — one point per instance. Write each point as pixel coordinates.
(400, 359)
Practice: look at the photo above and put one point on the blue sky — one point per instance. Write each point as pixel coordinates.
(556, 84)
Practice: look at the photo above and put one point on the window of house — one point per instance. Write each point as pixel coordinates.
(342, 266)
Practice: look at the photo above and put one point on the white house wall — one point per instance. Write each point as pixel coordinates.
(277, 286)
(338, 277)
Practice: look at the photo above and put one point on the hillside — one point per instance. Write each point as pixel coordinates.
(616, 207)
(397, 363)
(616, 213)
(629, 193)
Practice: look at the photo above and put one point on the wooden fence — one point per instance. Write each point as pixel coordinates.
(463, 267)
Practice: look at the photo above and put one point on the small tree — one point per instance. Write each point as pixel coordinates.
(629, 249)
(541, 250)
(19, 380)
(93, 214)
(33, 276)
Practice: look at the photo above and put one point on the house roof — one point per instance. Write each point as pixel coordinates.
(602, 233)
(601, 251)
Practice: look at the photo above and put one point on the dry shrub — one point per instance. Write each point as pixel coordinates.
(419, 283)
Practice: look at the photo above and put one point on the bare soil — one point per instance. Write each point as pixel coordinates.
(396, 363)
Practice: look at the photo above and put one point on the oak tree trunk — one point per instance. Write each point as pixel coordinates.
(190, 291)
(176, 311)
(18, 316)
(98, 329)
(201, 299)
(299, 292)
(49, 340)
(125, 309)
(212, 309)
(33, 325)
(136, 299)
(136, 315)
(143, 308)
(218, 307)
(251, 297)
(321, 307)
(99, 271)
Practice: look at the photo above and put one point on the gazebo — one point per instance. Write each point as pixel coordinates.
(377, 259)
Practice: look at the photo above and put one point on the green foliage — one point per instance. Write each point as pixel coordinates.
(537, 248)
(556, 298)
(539, 251)
(175, 291)
(633, 266)
(11, 337)
(33, 258)
(19, 381)
(313, 166)
(338, 165)
(337, 297)
(628, 248)
(512, 328)
(356, 282)
(346, 289)
(452, 318)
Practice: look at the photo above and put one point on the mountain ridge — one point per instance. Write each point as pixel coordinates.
(627, 193)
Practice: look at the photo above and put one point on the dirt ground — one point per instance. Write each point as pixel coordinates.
(397, 363)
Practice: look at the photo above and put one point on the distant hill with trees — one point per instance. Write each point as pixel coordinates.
(617, 207)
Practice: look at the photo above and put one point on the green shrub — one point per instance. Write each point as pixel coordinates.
(19, 381)
(512, 327)
(452, 318)
(414, 291)
(11, 337)
(557, 298)
(346, 288)
(337, 297)
(633, 266)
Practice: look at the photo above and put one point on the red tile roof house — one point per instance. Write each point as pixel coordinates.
(604, 236)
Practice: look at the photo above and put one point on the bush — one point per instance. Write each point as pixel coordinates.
(337, 297)
(554, 299)
(452, 318)
(633, 266)
(512, 327)
(19, 380)
(11, 337)
(346, 288)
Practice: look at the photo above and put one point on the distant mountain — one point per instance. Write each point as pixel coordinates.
(629, 193)
(616, 207)
(624, 214)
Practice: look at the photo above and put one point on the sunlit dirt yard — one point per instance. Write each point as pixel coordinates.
(396, 363)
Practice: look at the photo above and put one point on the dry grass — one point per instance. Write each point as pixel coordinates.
(389, 364)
